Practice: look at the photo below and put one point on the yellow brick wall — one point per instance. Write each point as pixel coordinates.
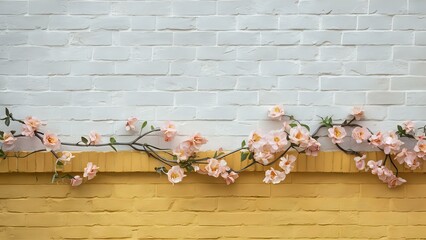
(135, 205)
(145, 205)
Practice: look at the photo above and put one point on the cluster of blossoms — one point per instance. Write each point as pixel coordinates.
(262, 148)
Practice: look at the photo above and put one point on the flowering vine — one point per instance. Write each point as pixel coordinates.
(260, 148)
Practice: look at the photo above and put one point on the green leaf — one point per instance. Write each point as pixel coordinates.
(84, 140)
(215, 154)
(306, 126)
(144, 125)
(59, 163)
(7, 112)
(243, 143)
(13, 132)
(112, 146)
(244, 155)
(152, 127)
(251, 156)
(2, 133)
(189, 168)
(160, 170)
(7, 121)
(2, 154)
(112, 140)
(54, 177)
(400, 129)
(293, 125)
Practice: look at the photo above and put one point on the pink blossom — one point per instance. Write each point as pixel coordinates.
(90, 171)
(198, 140)
(313, 147)
(8, 141)
(184, 150)
(175, 174)
(406, 157)
(256, 141)
(169, 131)
(131, 123)
(375, 167)
(299, 135)
(76, 181)
(408, 126)
(27, 131)
(358, 113)
(420, 136)
(215, 167)
(420, 148)
(376, 139)
(286, 126)
(395, 181)
(360, 134)
(94, 138)
(273, 176)
(287, 163)
(66, 157)
(51, 142)
(277, 140)
(276, 112)
(360, 162)
(263, 156)
(391, 142)
(336, 133)
(230, 177)
(31, 124)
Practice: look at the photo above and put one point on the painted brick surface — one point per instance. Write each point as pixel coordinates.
(142, 206)
(210, 63)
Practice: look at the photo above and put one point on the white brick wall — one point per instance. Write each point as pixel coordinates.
(213, 66)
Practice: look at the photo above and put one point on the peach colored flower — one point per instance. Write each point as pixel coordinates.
(51, 142)
(337, 133)
(277, 140)
(76, 181)
(131, 123)
(376, 139)
(90, 171)
(175, 174)
(8, 141)
(395, 181)
(273, 176)
(287, 163)
(408, 126)
(358, 113)
(375, 167)
(420, 148)
(263, 157)
(215, 167)
(313, 147)
(230, 177)
(360, 162)
(198, 140)
(184, 150)
(360, 134)
(256, 141)
(286, 127)
(169, 131)
(276, 112)
(94, 138)
(31, 124)
(391, 143)
(66, 157)
(299, 135)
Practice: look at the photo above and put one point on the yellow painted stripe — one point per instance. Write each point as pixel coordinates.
(128, 161)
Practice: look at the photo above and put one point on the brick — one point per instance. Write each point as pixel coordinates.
(145, 38)
(174, 23)
(13, 7)
(257, 22)
(299, 22)
(321, 37)
(209, 23)
(148, 8)
(298, 53)
(371, 22)
(238, 38)
(68, 23)
(216, 53)
(89, 8)
(338, 22)
(146, 68)
(111, 23)
(48, 7)
(42, 38)
(190, 8)
(280, 38)
(361, 83)
(385, 98)
(174, 53)
(416, 6)
(376, 38)
(332, 6)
